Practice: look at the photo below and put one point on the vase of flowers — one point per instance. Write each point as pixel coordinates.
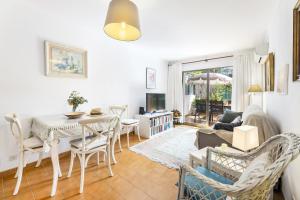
(75, 100)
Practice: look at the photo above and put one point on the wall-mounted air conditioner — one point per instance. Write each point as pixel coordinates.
(261, 53)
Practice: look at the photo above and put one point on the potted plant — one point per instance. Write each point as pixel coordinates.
(176, 113)
(75, 100)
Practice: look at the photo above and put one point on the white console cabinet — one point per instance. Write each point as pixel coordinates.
(152, 124)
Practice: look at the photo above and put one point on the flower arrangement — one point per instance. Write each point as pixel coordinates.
(75, 100)
(176, 113)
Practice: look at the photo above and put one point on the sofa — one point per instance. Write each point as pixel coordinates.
(253, 116)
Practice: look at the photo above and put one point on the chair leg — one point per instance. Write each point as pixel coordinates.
(138, 132)
(108, 160)
(98, 159)
(73, 155)
(82, 166)
(17, 172)
(20, 173)
(104, 157)
(59, 169)
(38, 163)
(119, 139)
(127, 132)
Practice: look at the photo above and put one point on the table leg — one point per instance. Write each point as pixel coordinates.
(55, 165)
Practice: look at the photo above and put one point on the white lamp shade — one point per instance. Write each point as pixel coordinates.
(245, 137)
(122, 21)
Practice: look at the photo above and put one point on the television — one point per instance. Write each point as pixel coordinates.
(155, 102)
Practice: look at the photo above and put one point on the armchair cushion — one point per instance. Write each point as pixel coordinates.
(202, 188)
(255, 168)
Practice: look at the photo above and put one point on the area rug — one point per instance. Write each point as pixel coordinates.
(170, 148)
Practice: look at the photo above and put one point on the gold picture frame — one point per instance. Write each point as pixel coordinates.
(296, 42)
(65, 61)
(270, 73)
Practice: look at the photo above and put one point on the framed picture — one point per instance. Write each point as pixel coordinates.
(269, 73)
(65, 61)
(283, 80)
(150, 78)
(296, 43)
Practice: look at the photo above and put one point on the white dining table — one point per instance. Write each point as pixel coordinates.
(51, 128)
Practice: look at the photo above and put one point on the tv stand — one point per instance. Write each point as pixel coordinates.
(153, 123)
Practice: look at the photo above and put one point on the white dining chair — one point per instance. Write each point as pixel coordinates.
(126, 123)
(96, 137)
(32, 144)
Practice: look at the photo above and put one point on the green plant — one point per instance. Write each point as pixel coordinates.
(221, 92)
(198, 101)
(75, 100)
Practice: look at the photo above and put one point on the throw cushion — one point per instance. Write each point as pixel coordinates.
(223, 126)
(229, 116)
(204, 191)
(228, 126)
(255, 168)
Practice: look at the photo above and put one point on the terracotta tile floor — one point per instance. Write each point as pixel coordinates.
(135, 177)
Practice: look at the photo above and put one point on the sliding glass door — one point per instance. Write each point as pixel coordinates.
(207, 94)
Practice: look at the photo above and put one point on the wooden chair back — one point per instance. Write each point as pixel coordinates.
(15, 127)
(104, 126)
(119, 110)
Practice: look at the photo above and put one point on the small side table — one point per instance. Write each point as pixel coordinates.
(199, 157)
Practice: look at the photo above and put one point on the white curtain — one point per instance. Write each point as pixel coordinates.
(175, 88)
(246, 72)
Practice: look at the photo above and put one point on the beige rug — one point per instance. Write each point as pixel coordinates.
(170, 148)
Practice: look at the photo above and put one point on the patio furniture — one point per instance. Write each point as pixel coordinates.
(200, 105)
(32, 144)
(95, 138)
(215, 108)
(240, 175)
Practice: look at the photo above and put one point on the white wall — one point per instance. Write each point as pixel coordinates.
(285, 109)
(117, 70)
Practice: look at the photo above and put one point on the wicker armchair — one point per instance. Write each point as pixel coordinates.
(282, 150)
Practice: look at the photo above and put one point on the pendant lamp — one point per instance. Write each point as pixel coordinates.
(122, 21)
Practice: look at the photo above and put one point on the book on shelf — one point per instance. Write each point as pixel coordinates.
(160, 120)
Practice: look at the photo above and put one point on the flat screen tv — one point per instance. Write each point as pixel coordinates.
(155, 102)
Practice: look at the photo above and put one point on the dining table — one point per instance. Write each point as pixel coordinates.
(51, 128)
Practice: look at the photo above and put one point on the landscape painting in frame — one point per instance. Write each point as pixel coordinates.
(65, 61)
(150, 78)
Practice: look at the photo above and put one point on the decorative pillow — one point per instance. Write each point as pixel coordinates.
(229, 116)
(238, 119)
(204, 191)
(255, 168)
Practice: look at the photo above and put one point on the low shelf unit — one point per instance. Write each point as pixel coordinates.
(152, 124)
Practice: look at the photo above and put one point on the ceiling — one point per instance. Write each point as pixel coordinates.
(179, 29)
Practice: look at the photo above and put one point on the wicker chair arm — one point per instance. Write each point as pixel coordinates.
(240, 156)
